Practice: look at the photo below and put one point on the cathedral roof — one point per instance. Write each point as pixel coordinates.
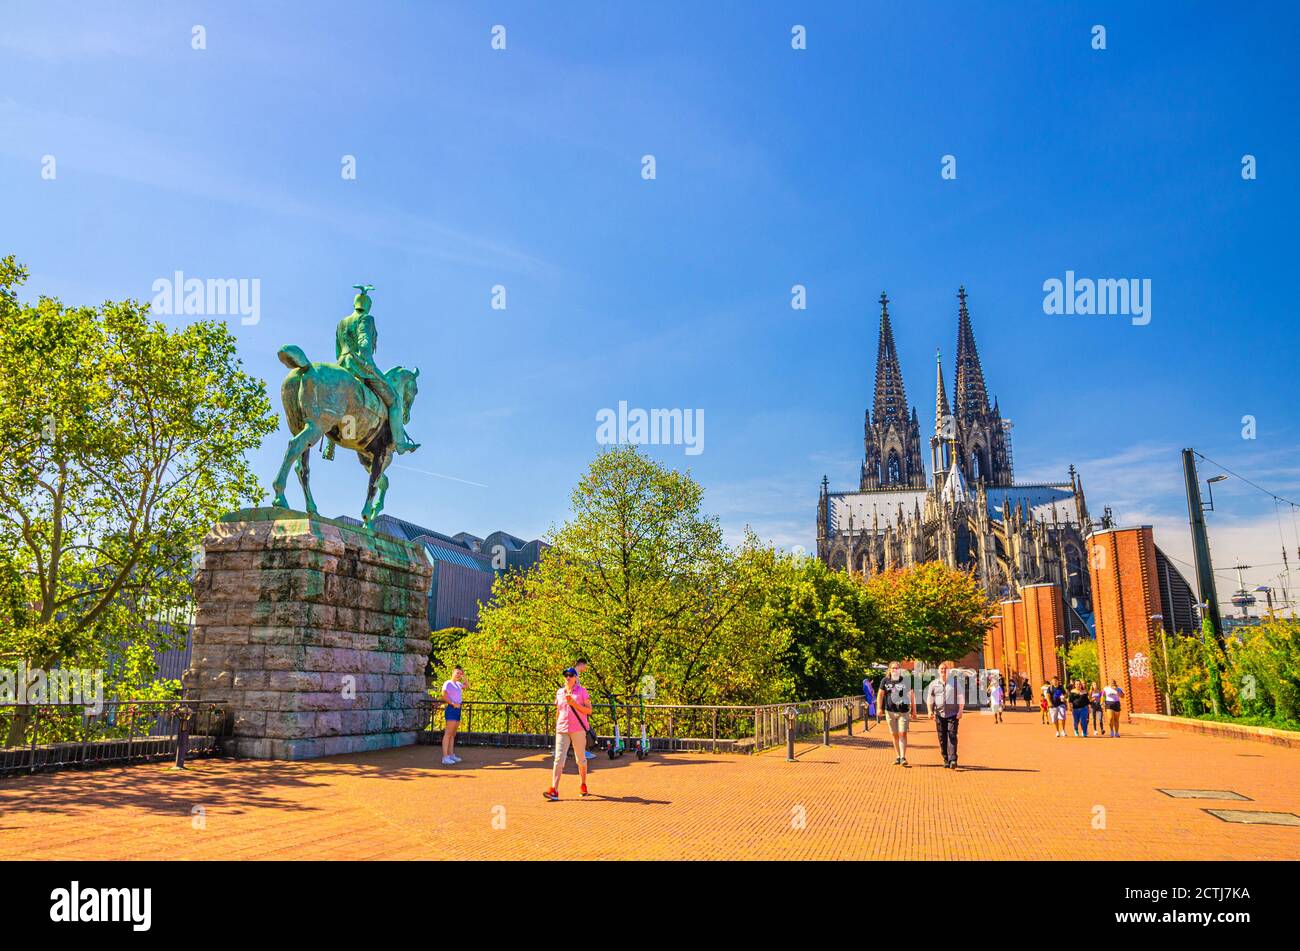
(881, 505)
(866, 507)
(954, 488)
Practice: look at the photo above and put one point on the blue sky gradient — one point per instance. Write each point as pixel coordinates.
(522, 167)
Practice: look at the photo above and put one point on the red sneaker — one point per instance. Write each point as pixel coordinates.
(551, 794)
(584, 789)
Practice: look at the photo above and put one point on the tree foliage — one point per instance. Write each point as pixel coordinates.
(640, 583)
(1081, 661)
(123, 441)
(934, 612)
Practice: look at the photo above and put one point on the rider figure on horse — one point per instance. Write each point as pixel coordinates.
(354, 349)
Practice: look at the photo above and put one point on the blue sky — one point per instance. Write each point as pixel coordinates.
(522, 167)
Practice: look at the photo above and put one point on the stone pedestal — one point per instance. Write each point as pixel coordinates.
(314, 632)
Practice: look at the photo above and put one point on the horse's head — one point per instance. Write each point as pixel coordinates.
(403, 380)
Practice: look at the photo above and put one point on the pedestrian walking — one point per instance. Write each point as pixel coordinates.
(946, 702)
(453, 692)
(1094, 704)
(1044, 701)
(1111, 697)
(1079, 708)
(1026, 691)
(572, 713)
(1056, 701)
(1013, 689)
(896, 700)
(996, 694)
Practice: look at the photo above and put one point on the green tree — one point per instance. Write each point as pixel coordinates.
(827, 621)
(124, 440)
(444, 649)
(932, 612)
(1081, 661)
(640, 583)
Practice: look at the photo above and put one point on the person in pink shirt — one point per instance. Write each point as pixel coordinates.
(572, 714)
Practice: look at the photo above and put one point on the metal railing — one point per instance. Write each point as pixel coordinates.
(703, 727)
(53, 736)
(811, 719)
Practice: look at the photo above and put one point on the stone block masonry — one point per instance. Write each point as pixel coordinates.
(313, 632)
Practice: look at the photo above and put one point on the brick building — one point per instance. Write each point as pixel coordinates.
(1126, 584)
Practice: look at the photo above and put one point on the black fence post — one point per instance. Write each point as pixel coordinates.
(182, 735)
(36, 722)
(826, 726)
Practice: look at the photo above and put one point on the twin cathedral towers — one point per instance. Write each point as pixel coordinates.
(969, 432)
(969, 514)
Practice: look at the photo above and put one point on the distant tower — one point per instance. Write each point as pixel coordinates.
(981, 444)
(944, 423)
(891, 438)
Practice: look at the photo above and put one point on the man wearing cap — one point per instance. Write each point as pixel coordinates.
(572, 714)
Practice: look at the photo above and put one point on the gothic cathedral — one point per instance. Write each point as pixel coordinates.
(972, 514)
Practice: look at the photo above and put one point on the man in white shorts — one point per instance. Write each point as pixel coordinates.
(1056, 706)
(897, 704)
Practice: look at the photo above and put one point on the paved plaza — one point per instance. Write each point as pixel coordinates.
(1022, 794)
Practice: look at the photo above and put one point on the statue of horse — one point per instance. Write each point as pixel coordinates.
(324, 400)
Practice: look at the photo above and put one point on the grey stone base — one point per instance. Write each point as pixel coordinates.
(313, 634)
(267, 748)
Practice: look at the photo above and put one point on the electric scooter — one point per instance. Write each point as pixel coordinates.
(643, 747)
(616, 747)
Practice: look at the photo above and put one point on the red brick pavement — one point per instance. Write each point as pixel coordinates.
(1021, 794)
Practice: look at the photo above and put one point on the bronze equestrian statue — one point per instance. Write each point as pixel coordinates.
(350, 403)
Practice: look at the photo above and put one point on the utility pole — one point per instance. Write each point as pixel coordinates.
(1242, 598)
(1201, 547)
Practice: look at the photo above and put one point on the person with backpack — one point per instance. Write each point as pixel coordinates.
(868, 699)
(572, 714)
(581, 667)
(897, 701)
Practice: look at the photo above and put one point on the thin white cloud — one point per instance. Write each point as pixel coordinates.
(90, 145)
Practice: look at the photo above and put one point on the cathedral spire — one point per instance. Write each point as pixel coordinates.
(971, 396)
(941, 408)
(891, 399)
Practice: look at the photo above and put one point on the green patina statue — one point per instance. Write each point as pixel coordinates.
(350, 403)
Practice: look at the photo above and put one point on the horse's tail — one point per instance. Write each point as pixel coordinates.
(294, 358)
(291, 397)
